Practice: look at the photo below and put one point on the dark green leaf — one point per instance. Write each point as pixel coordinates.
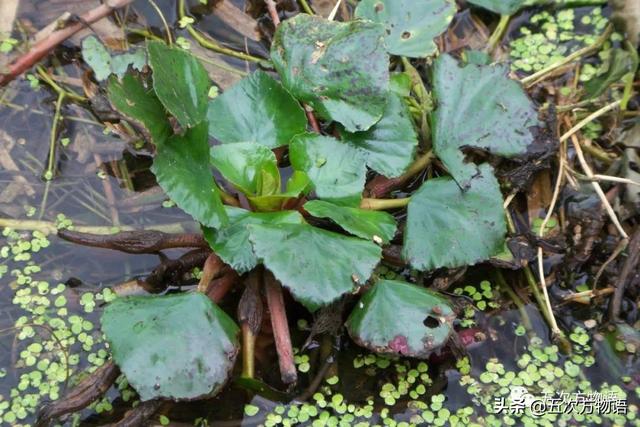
(337, 170)
(473, 113)
(177, 347)
(248, 166)
(256, 109)
(411, 25)
(316, 265)
(180, 81)
(363, 223)
(401, 318)
(340, 69)
(447, 227)
(139, 104)
(620, 64)
(181, 166)
(390, 145)
(503, 7)
(231, 243)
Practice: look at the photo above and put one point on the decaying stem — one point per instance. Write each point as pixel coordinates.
(135, 242)
(250, 312)
(212, 269)
(280, 327)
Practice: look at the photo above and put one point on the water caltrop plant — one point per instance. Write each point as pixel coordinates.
(297, 148)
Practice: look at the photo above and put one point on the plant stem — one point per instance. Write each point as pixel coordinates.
(280, 327)
(526, 321)
(273, 12)
(527, 81)
(164, 21)
(211, 270)
(250, 317)
(306, 7)
(210, 44)
(496, 37)
(386, 185)
(384, 204)
(248, 351)
(48, 174)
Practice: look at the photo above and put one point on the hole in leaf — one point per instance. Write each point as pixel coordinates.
(379, 7)
(406, 35)
(431, 322)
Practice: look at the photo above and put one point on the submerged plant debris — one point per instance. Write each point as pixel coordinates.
(319, 213)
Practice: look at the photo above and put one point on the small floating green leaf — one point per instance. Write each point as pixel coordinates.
(145, 332)
(301, 260)
(180, 81)
(448, 227)
(339, 68)
(256, 109)
(400, 318)
(471, 113)
(181, 166)
(411, 25)
(372, 225)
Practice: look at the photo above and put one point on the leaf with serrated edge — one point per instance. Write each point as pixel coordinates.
(337, 170)
(372, 225)
(317, 266)
(339, 68)
(411, 25)
(181, 167)
(231, 243)
(478, 107)
(256, 109)
(448, 227)
(145, 332)
(399, 318)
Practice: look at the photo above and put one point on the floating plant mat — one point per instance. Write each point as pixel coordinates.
(347, 235)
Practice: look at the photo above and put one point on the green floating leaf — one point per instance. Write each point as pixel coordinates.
(390, 145)
(231, 243)
(411, 26)
(97, 57)
(401, 318)
(337, 170)
(256, 109)
(300, 260)
(250, 167)
(180, 81)
(181, 167)
(176, 346)
(340, 69)
(363, 223)
(503, 7)
(448, 227)
(472, 113)
(139, 104)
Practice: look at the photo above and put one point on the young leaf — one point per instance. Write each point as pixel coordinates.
(145, 332)
(181, 166)
(337, 170)
(180, 81)
(503, 7)
(297, 184)
(371, 225)
(245, 164)
(472, 113)
(400, 318)
(448, 227)
(340, 69)
(411, 26)
(390, 145)
(139, 104)
(300, 260)
(231, 243)
(256, 109)
(97, 57)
